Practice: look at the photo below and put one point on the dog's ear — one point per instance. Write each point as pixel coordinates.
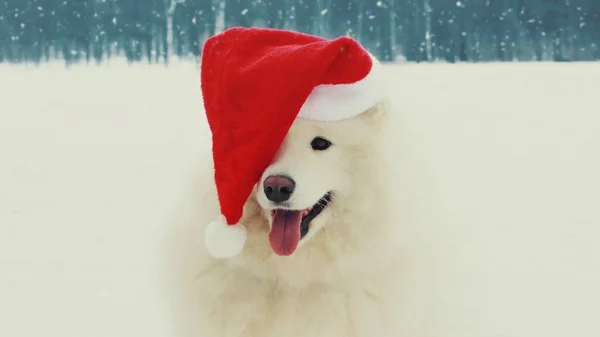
(375, 114)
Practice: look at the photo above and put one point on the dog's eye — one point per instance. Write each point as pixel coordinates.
(320, 144)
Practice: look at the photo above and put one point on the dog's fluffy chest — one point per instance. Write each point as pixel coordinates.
(260, 309)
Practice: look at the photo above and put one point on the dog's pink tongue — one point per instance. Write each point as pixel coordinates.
(285, 232)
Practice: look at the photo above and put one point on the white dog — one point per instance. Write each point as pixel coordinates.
(322, 252)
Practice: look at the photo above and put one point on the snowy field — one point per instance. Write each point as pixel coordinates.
(504, 222)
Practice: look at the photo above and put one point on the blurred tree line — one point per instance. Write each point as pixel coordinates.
(413, 30)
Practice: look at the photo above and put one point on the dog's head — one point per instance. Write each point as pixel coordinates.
(320, 176)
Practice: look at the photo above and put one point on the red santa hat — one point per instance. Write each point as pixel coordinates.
(255, 82)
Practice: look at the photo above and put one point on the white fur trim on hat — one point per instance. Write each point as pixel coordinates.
(334, 102)
(223, 240)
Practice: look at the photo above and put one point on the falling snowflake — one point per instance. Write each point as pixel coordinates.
(245, 11)
(323, 12)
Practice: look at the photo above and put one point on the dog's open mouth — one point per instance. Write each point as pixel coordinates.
(289, 226)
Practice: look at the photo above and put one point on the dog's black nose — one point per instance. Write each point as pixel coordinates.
(279, 188)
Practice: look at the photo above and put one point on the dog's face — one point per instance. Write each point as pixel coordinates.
(318, 166)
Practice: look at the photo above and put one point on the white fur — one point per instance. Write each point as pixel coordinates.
(344, 280)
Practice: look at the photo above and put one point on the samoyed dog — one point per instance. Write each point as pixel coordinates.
(334, 272)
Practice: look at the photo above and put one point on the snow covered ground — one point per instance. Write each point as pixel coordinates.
(505, 216)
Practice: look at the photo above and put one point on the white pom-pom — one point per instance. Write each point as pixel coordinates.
(223, 240)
